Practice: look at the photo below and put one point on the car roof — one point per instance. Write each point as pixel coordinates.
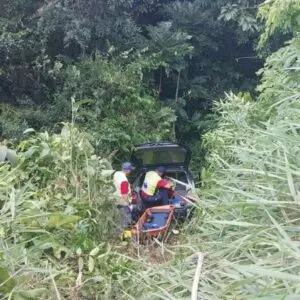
(156, 144)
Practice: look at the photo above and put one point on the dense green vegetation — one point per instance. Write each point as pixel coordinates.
(177, 54)
(92, 78)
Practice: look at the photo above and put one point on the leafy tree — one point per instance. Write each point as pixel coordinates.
(279, 16)
(279, 76)
(112, 102)
(34, 33)
(85, 26)
(42, 41)
(21, 79)
(172, 45)
(223, 57)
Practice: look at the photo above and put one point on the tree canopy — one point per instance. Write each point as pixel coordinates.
(188, 52)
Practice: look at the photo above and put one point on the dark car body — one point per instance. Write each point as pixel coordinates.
(176, 160)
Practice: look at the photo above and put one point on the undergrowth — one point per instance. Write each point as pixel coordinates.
(57, 218)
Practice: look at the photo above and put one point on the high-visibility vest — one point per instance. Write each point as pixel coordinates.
(119, 177)
(150, 183)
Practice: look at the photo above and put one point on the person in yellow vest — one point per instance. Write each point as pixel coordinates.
(123, 195)
(155, 189)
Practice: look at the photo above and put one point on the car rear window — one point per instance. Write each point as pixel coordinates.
(181, 176)
(161, 157)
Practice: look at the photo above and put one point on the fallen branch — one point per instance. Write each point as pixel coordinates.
(197, 276)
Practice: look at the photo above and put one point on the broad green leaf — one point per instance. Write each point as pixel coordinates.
(107, 173)
(29, 130)
(61, 220)
(34, 294)
(95, 251)
(261, 271)
(79, 251)
(80, 263)
(11, 156)
(91, 264)
(2, 231)
(3, 153)
(6, 283)
(233, 223)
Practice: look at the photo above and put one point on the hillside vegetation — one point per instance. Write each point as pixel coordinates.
(58, 217)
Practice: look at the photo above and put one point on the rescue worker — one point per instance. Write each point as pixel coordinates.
(155, 189)
(123, 195)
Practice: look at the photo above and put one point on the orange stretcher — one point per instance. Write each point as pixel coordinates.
(155, 221)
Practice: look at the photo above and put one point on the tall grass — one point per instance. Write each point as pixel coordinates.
(55, 209)
(249, 229)
(252, 221)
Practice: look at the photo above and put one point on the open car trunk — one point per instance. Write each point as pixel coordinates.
(180, 175)
(176, 160)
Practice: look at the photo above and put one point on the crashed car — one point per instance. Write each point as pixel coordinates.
(176, 160)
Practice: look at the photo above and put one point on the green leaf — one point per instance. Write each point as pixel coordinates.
(233, 223)
(91, 264)
(79, 251)
(61, 220)
(2, 231)
(261, 271)
(3, 152)
(6, 283)
(90, 170)
(80, 263)
(11, 156)
(95, 251)
(39, 293)
(29, 130)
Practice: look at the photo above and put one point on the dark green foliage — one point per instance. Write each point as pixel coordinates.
(56, 204)
(112, 103)
(253, 191)
(191, 57)
(280, 16)
(216, 65)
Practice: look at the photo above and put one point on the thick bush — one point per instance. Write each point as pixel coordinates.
(56, 218)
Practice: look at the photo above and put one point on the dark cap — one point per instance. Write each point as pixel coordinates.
(161, 169)
(127, 166)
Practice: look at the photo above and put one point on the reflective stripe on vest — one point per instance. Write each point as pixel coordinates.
(119, 177)
(150, 183)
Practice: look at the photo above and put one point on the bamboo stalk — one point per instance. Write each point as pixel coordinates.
(58, 297)
(138, 240)
(197, 276)
(160, 80)
(180, 182)
(176, 100)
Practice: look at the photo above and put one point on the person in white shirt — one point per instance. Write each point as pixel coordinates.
(123, 194)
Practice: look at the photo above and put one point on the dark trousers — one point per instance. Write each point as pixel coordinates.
(125, 218)
(160, 197)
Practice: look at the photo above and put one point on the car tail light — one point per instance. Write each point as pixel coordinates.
(135, 197)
